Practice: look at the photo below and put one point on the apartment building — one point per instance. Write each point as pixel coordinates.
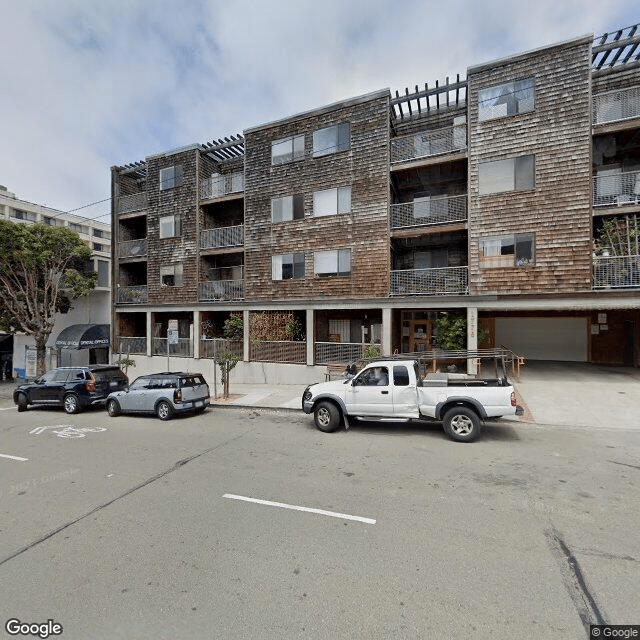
(511, 196)
(81, 335)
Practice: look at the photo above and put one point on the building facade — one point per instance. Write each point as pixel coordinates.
(511, 197)
(93, 309)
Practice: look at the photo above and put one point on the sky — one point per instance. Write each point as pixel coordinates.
(86, 85)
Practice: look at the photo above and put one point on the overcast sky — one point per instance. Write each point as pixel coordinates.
(85, 85)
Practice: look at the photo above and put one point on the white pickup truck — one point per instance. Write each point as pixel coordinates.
(394, 390)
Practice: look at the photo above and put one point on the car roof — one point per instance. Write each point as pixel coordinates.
(169, 373)
(90, 367)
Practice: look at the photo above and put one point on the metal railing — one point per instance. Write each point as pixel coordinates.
(619, 104)
(286, 351)
(440, 281)
(134, 202)
(222, 185)
(209, 346)
(222, 290)
(429, 143)
(616, 272)
(134, 294)
(132, 248)
(183, 348)
(334, 352)
(616, 189)
(219, 237)
(129, 344)
(429, 211)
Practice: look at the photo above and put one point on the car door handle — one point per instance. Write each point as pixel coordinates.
(384, 392)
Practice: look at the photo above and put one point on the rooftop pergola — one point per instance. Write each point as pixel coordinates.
(420, 102)
(223, 150)
(614, 50)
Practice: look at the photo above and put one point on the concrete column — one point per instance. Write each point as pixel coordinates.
(311, 332)
(196, 334)
(245, 321)
(149, 333)
(386, 332)
(472, 338)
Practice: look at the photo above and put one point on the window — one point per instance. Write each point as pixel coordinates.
(373, 377)
(287, 208)
(17, 214)
(170, 177)
(51, 222)
(400, 376)
(98, 247)
(97, 233)
(103, 273)
(506, 99)
(332, 201)
(287, 149)
(513, 174)
(78, 228)
(332, 263)
(171, 276)
(169, 226)
(514, 250)
(332, 140)
(287, 266)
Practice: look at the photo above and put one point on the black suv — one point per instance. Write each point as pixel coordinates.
(73, 388)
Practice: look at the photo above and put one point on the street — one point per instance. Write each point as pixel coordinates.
(253, 524)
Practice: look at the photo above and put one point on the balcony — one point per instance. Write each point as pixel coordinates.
(210, 347)
(131, 345)
(617, 105)
(132, 248)
(221, 290)
(616, 272)
(429, 211)
(287, 351)
(616, 189)
(133, 294)
(426, 144)
(134, 202)
(221, 237)
(183, 348)
(331, 352)
(219, 185)
(443, 281)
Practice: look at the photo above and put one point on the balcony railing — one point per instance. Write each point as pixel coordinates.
(429, 211)
(134, 202)
(183, 348)
(616, 272)
(279, 351)
(132, 248)
(443, 281)
(128, 344)
(220, 237)
(616, 189)
(134, 294)
(222, 185)
(218, 290)
(329, 352)
(429, 143)
(613, 106)
(209, 346)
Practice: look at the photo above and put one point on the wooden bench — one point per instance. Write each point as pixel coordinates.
(334, 368)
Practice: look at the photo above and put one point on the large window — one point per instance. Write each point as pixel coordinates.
(287, 149)
(516, 250)
(332, 201)
(103, 273)
(287, 266)
(170, 177)
(169, 226)
(171, 276)
(287, 208)
(332, 139)
(506, 99)
(332, 263)
(512, 174)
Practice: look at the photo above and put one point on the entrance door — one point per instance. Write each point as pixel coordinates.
(629, 343)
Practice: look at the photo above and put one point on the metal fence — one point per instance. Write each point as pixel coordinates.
(429, 211)
(619, 104)
(209, 346)
(285, 351)
(222, 237)
(217, 290)
(616, 272)
(429, 143)
(134, 202)
(338, 352)
(135, 294)
(616, 189)
(129, 344)
(438, 281)
(183, 348)
(132, 248)
(222, 185)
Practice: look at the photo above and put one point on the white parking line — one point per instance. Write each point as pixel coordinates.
(4, 455)
(322, 512)
(6, 408)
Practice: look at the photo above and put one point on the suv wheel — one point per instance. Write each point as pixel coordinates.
(164, 410)
(22, 402)
(71, 403)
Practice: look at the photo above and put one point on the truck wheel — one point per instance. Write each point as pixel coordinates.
(326, 416)
(22, 402)
(462, 424)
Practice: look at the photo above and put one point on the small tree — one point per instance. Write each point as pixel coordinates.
(451, 330)
(227, 361)
(42, 269)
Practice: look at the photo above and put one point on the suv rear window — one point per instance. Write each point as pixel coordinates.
(108, 374)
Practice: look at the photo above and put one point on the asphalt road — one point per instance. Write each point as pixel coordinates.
(120, 528)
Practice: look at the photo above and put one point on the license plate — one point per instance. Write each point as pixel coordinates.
(113, 383)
